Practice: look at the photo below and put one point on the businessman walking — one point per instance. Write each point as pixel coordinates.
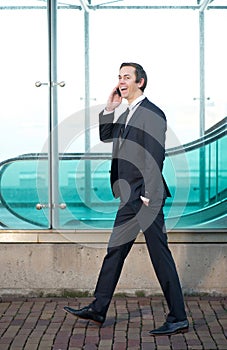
(138, 138)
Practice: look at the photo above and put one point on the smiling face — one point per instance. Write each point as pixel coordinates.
(130, 90)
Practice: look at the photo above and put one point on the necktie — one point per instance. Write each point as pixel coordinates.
(124, 121)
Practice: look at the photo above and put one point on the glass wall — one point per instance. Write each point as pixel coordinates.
(166, 43)
(24, 108)
(216, 69)
(60, 61)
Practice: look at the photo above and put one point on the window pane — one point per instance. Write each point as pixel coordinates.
(215, 65)
(166, 44)
(24, 107)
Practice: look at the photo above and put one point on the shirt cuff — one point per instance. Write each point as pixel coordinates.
(105, 112)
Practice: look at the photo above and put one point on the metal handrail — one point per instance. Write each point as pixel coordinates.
(212, 136)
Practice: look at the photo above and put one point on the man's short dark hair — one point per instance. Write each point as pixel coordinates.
(140, 73)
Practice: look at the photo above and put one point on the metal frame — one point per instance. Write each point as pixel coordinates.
(53, 163)
(87, 6)
(102, 7)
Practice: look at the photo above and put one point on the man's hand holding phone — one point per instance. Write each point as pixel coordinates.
(114, 100)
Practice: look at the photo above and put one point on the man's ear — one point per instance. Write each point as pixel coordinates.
(140, 84)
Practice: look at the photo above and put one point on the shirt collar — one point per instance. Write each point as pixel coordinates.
(136, 102)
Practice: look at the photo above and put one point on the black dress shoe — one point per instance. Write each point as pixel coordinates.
(169, 328)
(87, 313)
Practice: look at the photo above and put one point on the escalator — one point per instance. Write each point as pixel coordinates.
(196, 174)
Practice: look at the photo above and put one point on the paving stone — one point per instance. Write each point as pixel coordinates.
(42, 324)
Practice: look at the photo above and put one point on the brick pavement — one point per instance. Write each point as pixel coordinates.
(41, 324)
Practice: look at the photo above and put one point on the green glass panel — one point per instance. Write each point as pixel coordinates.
(24, 184)
(213, 173)
(222, 166)
(84, 187)
(87, 195)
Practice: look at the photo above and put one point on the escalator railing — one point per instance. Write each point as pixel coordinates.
(205, 205)
(196, 174)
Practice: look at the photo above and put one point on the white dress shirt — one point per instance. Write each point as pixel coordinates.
(133, 106)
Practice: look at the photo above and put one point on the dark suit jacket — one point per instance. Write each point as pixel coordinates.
(137, 156)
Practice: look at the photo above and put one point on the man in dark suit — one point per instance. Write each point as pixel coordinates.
(138, 138)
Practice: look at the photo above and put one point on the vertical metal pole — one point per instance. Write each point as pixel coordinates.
(87, 80)
(53, 115)
(202, 73)
(202, 165)
(87, 108)
(217, 169)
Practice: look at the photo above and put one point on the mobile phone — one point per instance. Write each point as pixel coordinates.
(118, 92)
